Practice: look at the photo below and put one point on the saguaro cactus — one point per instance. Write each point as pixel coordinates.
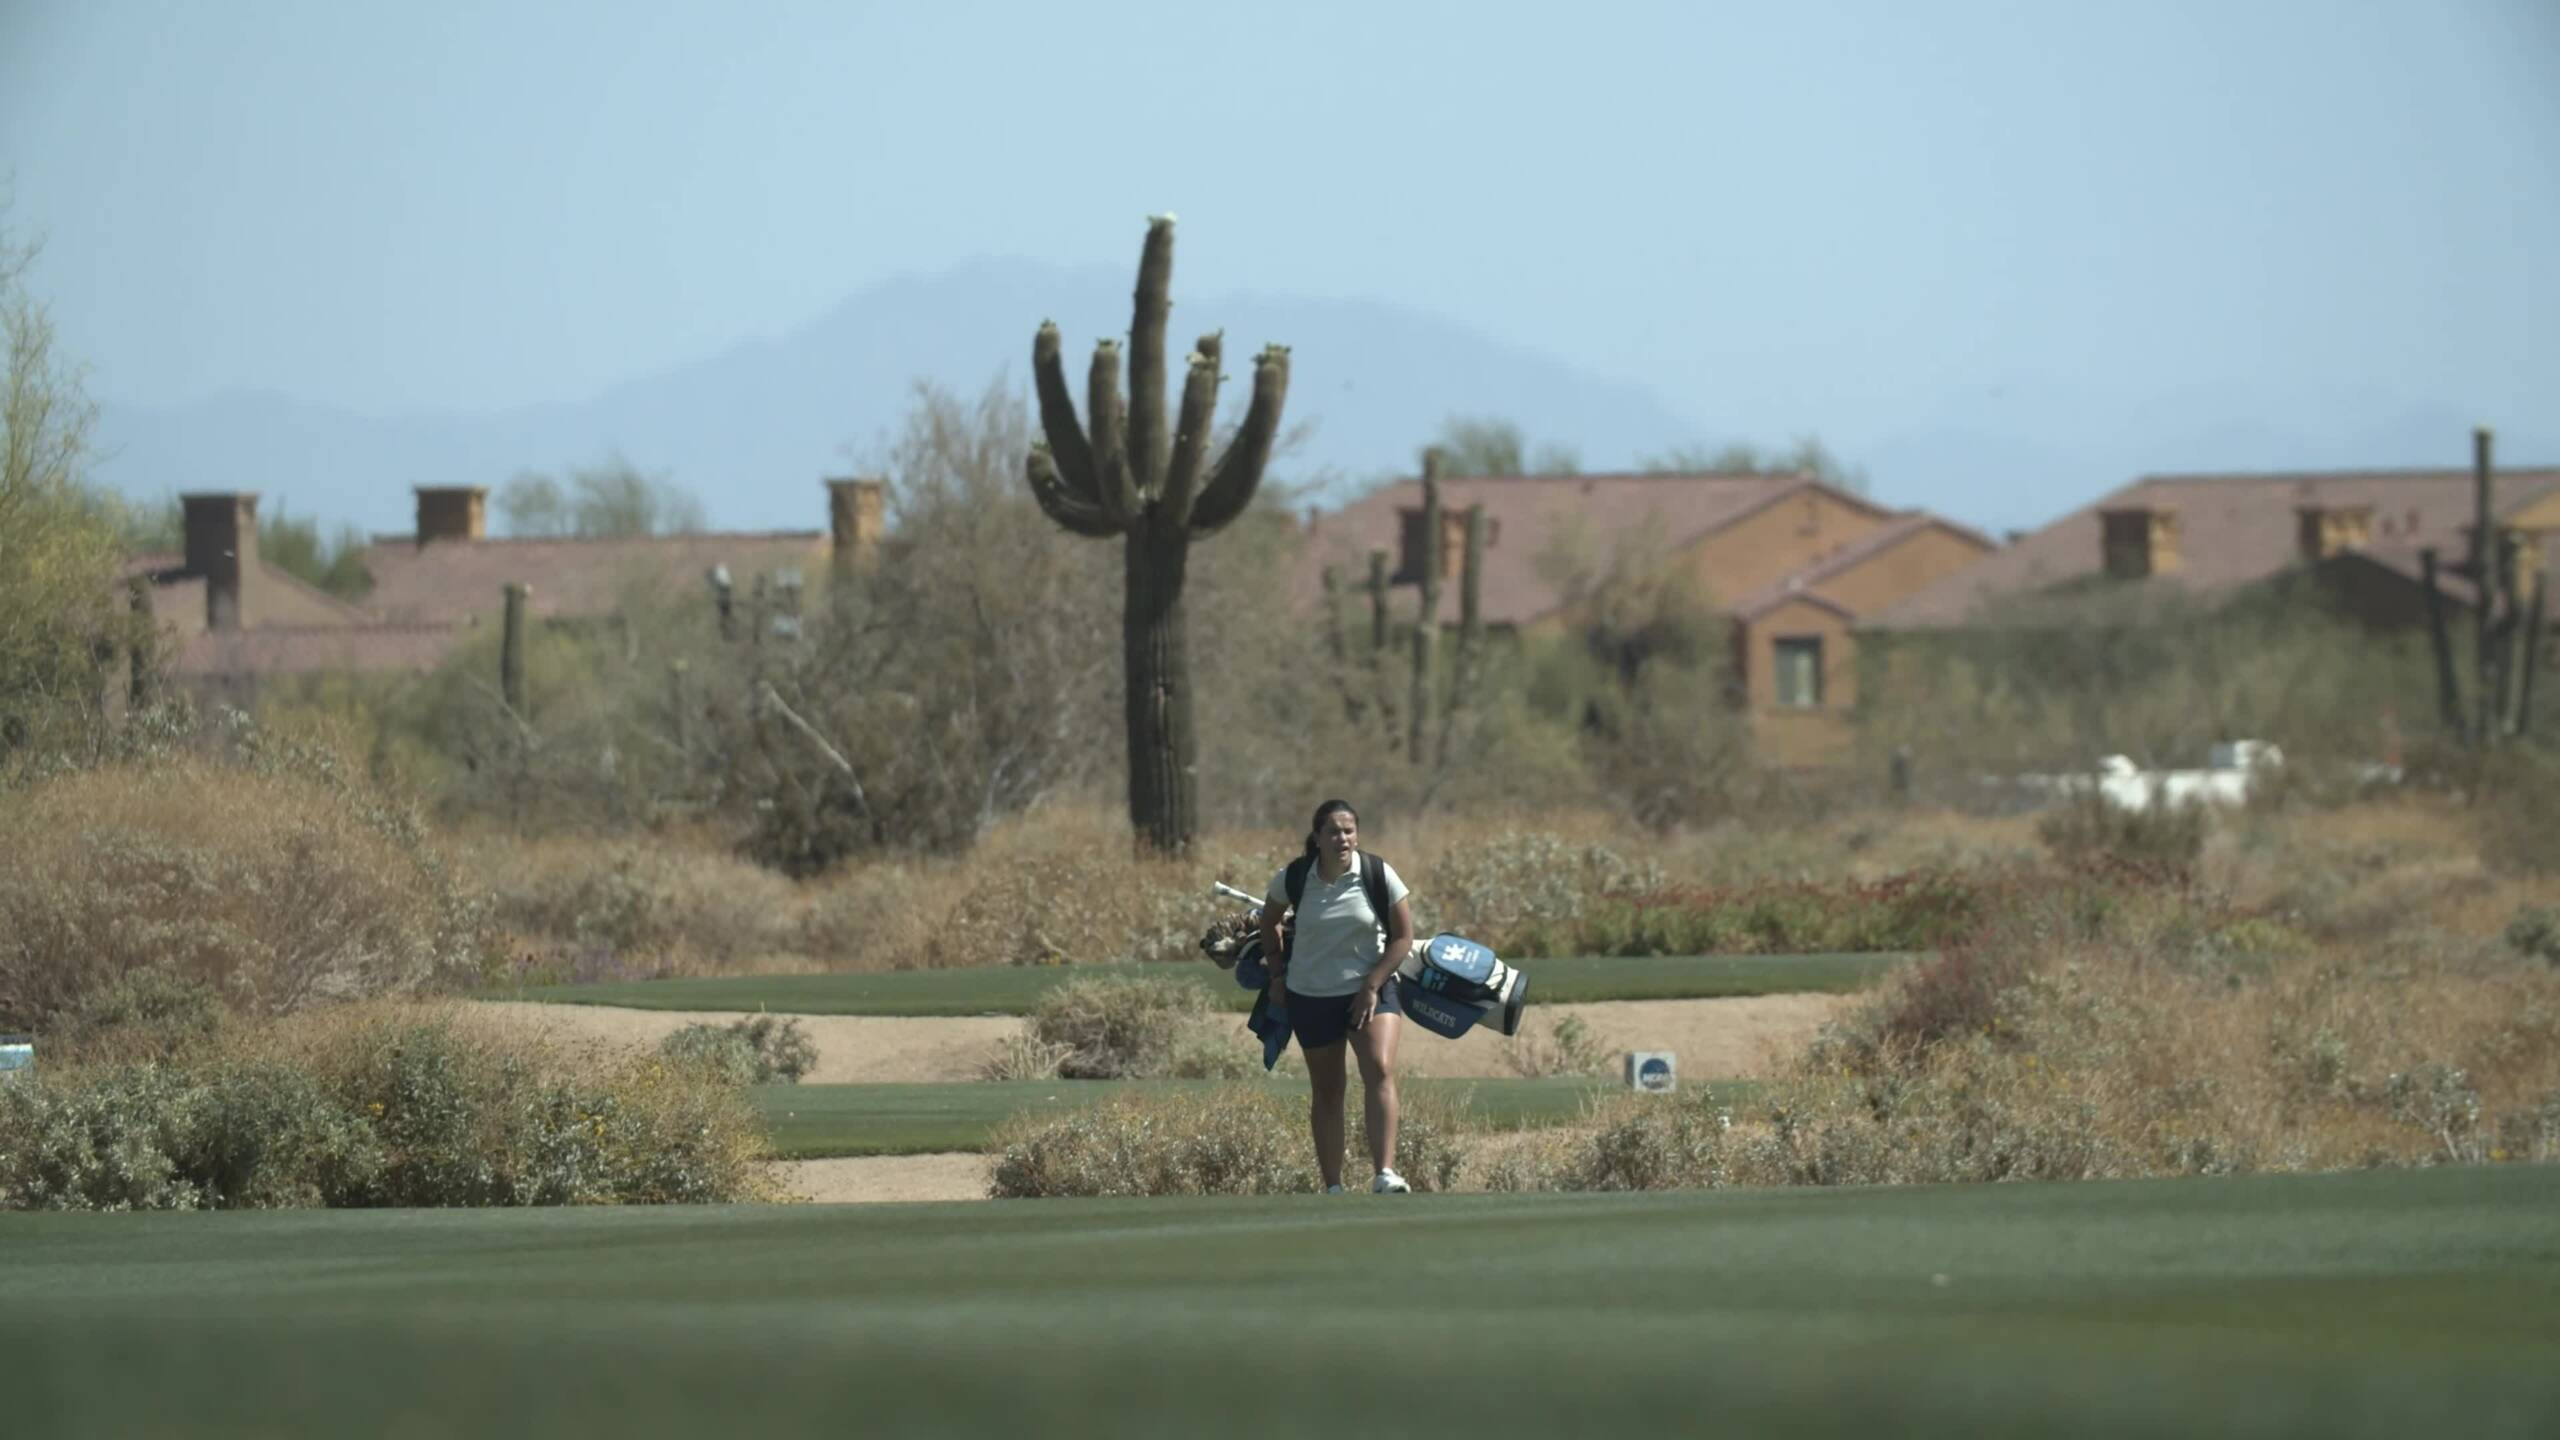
(1157, 492)
(1426, 625)
(2506, 620)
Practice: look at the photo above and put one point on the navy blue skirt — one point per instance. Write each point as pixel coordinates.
(1321, 1020)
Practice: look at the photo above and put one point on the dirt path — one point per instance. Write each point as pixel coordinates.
(1734, 1036)
(852, 1049)
(890, 1179)
(1713, 1039)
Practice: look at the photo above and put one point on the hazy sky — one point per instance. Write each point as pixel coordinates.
(1780, 216)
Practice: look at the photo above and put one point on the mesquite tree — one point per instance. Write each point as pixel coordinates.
(1158, 492)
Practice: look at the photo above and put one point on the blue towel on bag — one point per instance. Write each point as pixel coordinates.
(1268, 1022)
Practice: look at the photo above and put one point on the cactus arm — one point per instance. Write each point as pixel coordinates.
(1147, 444)
(1072, 459)
(1072, 511)
(1113, 490)
(1191, 430)
(1239, 472)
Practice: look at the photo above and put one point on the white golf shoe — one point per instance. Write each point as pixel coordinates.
(1389, 1183)
(1333, 1189)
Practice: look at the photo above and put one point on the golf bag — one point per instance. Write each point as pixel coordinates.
(1450, 983)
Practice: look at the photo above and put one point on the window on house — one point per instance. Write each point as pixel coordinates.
(1799, 670)
(1408, 547)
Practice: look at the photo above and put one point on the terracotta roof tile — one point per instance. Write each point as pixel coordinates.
(2233, 530)
(300, 649)
(445, 582)
(1865, 547)
(1531, 513)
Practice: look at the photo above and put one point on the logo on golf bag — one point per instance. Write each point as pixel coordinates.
(1452, 982)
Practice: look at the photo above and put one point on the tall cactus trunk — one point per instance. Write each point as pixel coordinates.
(2484, 578)
(1426, 624)
(2532, 660)
(1462, 678)
(2440, 639)
(1164, 761)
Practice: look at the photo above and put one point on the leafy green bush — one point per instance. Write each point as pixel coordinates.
(759, 1050)
(375, 1107)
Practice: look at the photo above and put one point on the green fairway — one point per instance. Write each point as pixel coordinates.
(810, 1121)
(2398, 1304)
(1013, 990)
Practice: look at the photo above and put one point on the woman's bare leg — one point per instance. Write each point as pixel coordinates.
(1325, 1083)
(1375, 1044)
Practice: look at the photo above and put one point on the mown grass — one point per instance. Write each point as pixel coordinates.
(816, 1121)
(1014, 990)
(2369, 1304)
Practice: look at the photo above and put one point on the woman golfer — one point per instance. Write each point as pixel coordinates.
(1339, 983)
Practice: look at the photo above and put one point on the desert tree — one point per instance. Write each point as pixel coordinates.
(64, 626)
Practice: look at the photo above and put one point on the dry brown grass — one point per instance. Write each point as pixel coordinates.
(275, 888)
(1062, 884)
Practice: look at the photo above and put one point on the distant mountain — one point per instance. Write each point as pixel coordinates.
(752, 431)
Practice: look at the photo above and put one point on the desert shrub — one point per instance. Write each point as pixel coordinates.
(1067, 892)
(150, 1137)
(1024, 1056)
(1644, 1142)
(102, 1145)
(634, 909)
(1119, 1026)
(2088, 827)
(2535, 932)
(276, 882)
(1433, 1139)
(1518, 882)
(141, 1014)
(1234, 1140)
(874, 915)
(1903, 912)
(367, 1107)
(758, 1050)
(1242, 1139)
(1565, 1047)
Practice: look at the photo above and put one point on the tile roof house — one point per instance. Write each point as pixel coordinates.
(231, 620)
(1794, 563)
(2207, 535)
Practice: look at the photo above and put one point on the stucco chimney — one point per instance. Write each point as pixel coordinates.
(222, 546)
(857, 516)
(2139, 543)
(452, 512)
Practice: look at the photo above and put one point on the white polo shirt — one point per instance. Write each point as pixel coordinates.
(1339, 938)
